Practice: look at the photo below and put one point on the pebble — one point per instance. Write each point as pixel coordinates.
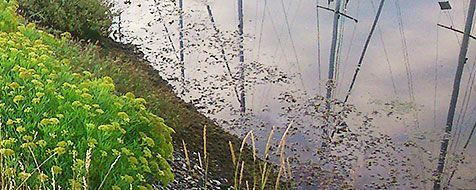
(186, 179)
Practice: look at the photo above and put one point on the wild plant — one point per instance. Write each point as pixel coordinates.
(66, 129)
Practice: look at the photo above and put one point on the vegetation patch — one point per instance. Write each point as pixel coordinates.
(133, 74)
(87, 19)
(65, 129)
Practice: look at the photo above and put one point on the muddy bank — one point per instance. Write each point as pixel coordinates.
(188, 123)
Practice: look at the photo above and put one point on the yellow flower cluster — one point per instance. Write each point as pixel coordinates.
(59, 116)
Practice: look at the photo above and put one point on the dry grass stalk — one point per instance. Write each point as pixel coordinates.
(288, 163)
(205, 142)
(264, 172)
(205, 158)
(253, 145)
(241, 172)
(281, 147)
(243, 142)
(187, 159)
(200, 160)
(237, 179)
(36, 163)
(87, 165)
(37, 168)
(233, 156)
(53, 179)
(109, 171)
